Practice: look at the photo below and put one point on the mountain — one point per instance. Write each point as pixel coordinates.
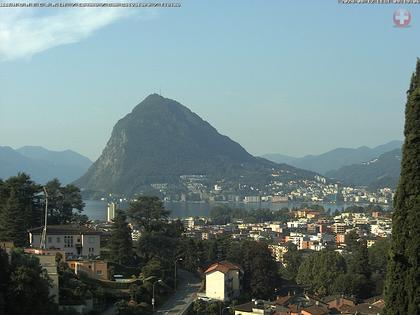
(380, 172)
(67, 158)
(42, 164)
(337, 158)
(279, 158)
(160, 140)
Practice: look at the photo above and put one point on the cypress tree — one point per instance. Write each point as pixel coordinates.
(121, 246)
(402, 289)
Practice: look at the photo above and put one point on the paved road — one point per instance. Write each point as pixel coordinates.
(179, 302)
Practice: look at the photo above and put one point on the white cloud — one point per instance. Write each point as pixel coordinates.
(25, 32)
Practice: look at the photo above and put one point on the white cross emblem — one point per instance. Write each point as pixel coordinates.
(402, 18)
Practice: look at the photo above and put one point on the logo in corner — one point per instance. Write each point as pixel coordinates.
(402, 18)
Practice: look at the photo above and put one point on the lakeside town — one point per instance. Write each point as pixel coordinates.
(86, 256)
(197, 188)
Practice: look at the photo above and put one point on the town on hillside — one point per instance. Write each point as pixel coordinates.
(291, 261)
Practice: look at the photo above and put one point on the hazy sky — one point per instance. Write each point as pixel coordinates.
(293, 77)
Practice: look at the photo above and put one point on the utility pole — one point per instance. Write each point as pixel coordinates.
(43, 243)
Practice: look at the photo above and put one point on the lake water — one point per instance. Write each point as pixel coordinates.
(96, 209)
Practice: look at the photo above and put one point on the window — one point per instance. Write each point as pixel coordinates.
(58, 240)
(49, 239)
(68, 241)
(98, 272)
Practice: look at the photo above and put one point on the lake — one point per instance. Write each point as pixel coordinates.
(96, 209)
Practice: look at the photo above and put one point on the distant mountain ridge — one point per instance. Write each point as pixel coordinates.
(42, 164)
(383, 171)
(160, 140)
(337, 158)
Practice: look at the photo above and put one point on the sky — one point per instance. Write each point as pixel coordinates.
(293, 77)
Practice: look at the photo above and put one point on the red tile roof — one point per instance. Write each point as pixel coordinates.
(223, 266)
(282, 300)
(316, 310)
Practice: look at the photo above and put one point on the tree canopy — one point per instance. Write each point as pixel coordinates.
(120, 244)
(24, 288)
(148, 212)
(402, 290)
(22, 206)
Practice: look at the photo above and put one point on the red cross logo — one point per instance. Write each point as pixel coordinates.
(402, 18)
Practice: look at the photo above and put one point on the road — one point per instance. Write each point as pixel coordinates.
(179, 302)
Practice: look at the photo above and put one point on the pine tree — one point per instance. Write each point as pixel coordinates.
(402, 289)
(120, 245)
(20, 208)
(12, 221)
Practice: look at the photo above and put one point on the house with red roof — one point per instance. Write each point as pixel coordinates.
(223, 281)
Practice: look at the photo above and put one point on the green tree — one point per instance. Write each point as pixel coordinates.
(377, 259)
(4, 279)
(320, 271)
(154, 269)
(358, 256)
(20, 208)
(191, 252)
(402, 289)
(148, 213)
(205, 308)
(120, 243)
(260, 269)
(292, 260)
(156, 245)
(62, 202)
(125, 308)
(27, 286)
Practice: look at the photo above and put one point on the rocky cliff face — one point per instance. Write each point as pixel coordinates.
(160, 140)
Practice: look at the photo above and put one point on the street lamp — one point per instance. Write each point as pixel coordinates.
(176, 260)
(153, 293)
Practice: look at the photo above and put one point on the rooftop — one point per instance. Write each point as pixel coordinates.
(223, 266)
(316, 310)
(64, 229)
(258, 304)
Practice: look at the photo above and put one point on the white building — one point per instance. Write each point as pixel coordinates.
(111, 209)
(278, 251)
(72, 239)
(223, 281)
(252, 199)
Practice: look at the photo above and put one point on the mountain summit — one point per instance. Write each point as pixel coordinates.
(42, 164)
(159, 141)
